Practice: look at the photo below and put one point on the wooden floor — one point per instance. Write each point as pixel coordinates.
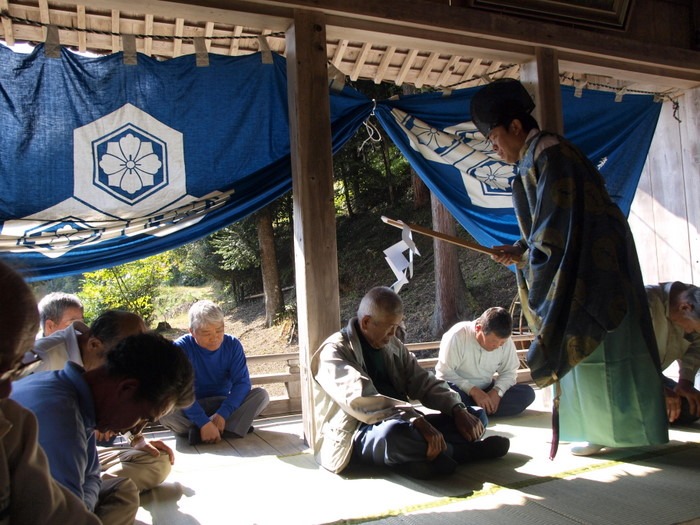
(270, 477)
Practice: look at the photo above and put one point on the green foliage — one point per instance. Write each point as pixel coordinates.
(173, 302)
(237, 245)
(132, 286)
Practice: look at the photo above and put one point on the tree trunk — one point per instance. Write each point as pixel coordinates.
(450, 290)
(387, 169)
(346, 191)
(421, 193)
(272, 287)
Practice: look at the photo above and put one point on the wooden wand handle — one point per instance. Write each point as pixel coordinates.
(443, 237)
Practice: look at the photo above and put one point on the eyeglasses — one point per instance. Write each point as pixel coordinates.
(26, 366)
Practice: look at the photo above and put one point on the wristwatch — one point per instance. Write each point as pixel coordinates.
(131, 438)
(459, 405)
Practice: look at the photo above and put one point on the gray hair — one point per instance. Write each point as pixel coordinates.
(691, 295)
(380, 300)
(54, 304)
(205, 312)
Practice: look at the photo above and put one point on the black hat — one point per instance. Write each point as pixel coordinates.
(499, 102)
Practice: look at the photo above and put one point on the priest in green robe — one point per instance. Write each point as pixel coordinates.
(579, 282)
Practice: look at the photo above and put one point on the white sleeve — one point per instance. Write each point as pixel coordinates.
(448, 361)
(508, 369)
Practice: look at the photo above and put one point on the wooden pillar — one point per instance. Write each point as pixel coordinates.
(315, 246)
(541, 78)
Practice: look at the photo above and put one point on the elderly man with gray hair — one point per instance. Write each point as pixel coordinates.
(365, 381)
(58, 310)
(675, 314)
(226, 403)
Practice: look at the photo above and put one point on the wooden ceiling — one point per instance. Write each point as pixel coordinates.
(97, 28)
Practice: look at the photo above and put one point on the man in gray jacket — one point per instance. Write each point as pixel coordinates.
(364, 379)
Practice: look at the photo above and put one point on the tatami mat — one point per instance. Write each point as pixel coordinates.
(255, 481)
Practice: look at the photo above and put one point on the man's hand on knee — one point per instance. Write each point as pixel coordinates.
(470, 427)
(209, 433)
(434, 438)
(219, 422)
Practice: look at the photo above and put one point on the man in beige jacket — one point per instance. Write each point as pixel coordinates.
(364, 379)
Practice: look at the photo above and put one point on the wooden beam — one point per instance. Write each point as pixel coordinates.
(8, 33)
(148, 30)
(116, 39)
(471, 70)
(235, 41)
(360, 61)
(44, 16)
(450, 67)
(339, 52)
(427, 68)
(407, 63)
(179, 31)
(541, 78)
(432, 26)
(82, 24)
(208, 32)
(384, 64)
(315, 245)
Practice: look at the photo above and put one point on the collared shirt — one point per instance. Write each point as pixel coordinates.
(465, 363)
(63, 405)
(28, 493)
(57, 349)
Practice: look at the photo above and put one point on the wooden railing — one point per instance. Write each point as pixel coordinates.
(291, 402)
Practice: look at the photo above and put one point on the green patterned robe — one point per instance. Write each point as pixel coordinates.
(584, 298)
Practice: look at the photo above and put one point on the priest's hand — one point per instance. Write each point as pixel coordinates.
(507, 254)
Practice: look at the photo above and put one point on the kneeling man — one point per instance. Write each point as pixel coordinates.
(473, 352)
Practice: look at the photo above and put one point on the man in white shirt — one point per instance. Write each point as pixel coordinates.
(473, 352)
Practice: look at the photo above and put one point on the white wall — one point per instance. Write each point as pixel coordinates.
(665, 213)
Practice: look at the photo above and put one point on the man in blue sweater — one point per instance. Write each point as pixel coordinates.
(143, 377)
(225, 401)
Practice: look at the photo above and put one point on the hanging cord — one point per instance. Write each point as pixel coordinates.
(373, 133)
(676, 107)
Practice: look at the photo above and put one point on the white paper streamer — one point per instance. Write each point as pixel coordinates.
(398, 262)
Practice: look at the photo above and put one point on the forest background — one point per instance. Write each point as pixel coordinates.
(248, 267)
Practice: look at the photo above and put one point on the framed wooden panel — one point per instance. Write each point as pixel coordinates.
(598, 13)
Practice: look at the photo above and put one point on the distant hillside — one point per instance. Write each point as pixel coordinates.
(361, 242)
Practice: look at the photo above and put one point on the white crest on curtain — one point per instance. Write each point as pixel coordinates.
(127, 161)
(486, 179)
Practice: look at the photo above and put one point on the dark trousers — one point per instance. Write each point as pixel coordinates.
(516, 399)
(395, 441)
